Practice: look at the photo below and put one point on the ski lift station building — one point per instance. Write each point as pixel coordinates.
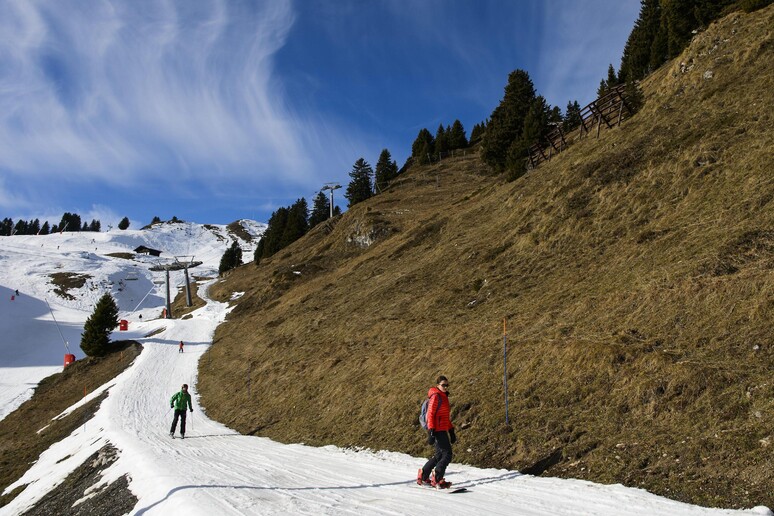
(147, 250)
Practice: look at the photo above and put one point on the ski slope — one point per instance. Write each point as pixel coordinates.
(218, 471)
(38, 326)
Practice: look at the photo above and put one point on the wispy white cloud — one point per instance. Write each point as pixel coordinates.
(120, 91)
(579, 41)
(233, 105)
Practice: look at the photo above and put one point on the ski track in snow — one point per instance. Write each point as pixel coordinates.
(218, 471)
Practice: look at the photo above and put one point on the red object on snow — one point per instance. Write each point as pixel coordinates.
(13, 297)
(69, 359)
(123, 325)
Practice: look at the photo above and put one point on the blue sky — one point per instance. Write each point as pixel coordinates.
(215, 110)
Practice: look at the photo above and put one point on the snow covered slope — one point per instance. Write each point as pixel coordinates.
(217, 471)
(32, 344)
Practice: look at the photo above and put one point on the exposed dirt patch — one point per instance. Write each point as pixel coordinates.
(29, 430)
(236, 229)
(125, 256)
(64, 281)
(109, 500)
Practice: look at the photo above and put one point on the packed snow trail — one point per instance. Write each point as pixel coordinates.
(218, 471)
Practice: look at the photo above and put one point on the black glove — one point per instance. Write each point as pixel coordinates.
(430, 437)
(191, 410)
(452, 436)
(171, 406)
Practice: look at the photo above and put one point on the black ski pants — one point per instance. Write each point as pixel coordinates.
(442, 457)
(178, 414)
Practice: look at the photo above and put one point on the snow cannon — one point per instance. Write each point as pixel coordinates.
(69, 358)
(123, 325)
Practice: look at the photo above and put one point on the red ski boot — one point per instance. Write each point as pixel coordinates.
(422, 481)
(438, 484)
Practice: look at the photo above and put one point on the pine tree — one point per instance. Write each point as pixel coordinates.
(360, 187)
(535, 128)
(45, 229)
(70, 222)
(6, 227)
(555, 116)
(124, 224)
(457, 138)
(20, 228)
(270, 241)
(477, 134)
(659, 48)
(95, 338)
(297, 224)
(507, 120)
(423, 147)
(633, 95)
(386, 170)
(231, 259)
(321, 209)
(95, 225)
(441, 142)
(662, 30)
(612, 78)
(572, 116)
(606, 85)
(156, 220)
(636, 59)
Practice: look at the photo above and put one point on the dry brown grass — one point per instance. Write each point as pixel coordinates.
(636, 273)
(180, 310)
(64, 281)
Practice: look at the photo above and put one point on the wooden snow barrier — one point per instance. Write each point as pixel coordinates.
(610, 109)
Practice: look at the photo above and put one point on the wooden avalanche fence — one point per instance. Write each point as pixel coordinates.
(609, 110)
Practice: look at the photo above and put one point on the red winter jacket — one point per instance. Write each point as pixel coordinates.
(438, 416)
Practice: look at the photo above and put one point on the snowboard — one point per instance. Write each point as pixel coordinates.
(451, 490)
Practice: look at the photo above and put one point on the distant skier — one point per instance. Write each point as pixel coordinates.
(180, 347)
(179, 402)
(17, 292)
(440, 432)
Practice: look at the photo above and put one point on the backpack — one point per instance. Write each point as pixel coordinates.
(423, 411)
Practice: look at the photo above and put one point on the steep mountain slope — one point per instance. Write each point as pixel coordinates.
(93, 441)
(635, 273)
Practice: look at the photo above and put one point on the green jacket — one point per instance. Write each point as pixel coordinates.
(180, 400)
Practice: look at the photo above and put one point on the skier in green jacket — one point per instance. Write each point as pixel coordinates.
(179, 402)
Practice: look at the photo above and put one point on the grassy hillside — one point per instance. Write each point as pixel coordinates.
(32, 428)
(635, 272)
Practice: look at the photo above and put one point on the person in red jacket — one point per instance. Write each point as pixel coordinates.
(440, 432)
